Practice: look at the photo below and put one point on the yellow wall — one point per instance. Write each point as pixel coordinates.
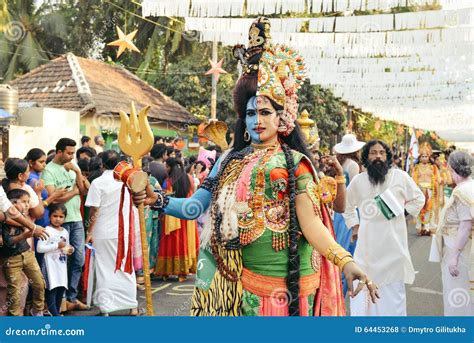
(94, 122)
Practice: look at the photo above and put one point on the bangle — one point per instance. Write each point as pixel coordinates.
(341, 179)
(209, 184)
(45, 203)
(34, 229)
(162, 201)
(338, 255)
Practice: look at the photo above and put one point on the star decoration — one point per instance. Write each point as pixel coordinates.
(216, 69)
(124, 42)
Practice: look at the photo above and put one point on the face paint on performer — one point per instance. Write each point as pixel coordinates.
(261, 120)
(424, 158)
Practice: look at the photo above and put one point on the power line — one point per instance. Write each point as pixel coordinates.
(175, 19)
(141, 17)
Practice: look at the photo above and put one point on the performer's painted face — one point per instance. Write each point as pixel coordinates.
(424, 158)
(261, 119)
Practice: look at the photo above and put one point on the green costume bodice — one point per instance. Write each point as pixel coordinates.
(263, 217)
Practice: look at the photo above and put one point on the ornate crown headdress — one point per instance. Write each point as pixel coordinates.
(281, 71)
(425, 148)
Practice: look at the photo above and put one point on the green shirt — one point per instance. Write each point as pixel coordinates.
(55, 175)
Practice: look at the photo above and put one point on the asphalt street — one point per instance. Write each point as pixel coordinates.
(424, 297)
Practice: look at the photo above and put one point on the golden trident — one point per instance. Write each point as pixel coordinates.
(136, 139)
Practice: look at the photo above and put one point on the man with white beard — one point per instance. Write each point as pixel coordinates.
(382, 195)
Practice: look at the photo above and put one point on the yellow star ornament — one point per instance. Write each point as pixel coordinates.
(124, 42)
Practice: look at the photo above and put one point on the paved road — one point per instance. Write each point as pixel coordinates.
(424, 297)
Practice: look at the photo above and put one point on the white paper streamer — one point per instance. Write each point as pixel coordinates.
(175, 8)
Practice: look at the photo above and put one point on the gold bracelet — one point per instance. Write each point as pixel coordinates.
(45, 203)
(345, 261)
(340, 179)
(338, 255)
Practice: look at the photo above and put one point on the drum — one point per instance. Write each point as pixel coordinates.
(134, 178)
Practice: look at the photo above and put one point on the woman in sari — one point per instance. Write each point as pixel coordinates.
(179, 242)
(454, 240)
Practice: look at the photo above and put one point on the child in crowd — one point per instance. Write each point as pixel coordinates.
(56, 249)
(16, 258)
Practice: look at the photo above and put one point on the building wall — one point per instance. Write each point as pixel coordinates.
(41, 128)
(93, 124)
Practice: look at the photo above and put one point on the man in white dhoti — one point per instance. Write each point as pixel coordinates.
(115, 290)
(382, 194)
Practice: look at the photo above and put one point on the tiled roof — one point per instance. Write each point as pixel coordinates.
(78, 84)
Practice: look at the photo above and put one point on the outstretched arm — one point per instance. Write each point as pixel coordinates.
(184, 208)
(189, 208)
(318, 235)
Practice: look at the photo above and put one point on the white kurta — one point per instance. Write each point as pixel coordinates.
(114, 290)
(382, 246)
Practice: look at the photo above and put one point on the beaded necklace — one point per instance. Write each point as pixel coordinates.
(218, 245)
(253, 229)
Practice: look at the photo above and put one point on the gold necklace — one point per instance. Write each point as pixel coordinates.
(265, 145)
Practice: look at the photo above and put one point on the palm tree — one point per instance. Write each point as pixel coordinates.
(24, 25)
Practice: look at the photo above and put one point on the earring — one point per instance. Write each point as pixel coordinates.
(246, 135)
(282, 127)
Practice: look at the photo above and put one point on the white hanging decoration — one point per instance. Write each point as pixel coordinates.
(158, 8)
(259, 7)
(324, 24)
(217, 8)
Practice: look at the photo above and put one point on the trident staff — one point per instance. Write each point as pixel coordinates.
(135, 139)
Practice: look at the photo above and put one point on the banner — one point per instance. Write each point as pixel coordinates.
(244, 329)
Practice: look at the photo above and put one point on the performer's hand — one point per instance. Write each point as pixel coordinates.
(333, 163)
(453, 265)
(353, 272)
(146, 197)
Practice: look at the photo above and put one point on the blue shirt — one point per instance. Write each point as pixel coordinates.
(32, 180)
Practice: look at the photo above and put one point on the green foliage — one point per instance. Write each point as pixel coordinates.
(21, 49)
(171, 60)
(324, 108)
(185, 81)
